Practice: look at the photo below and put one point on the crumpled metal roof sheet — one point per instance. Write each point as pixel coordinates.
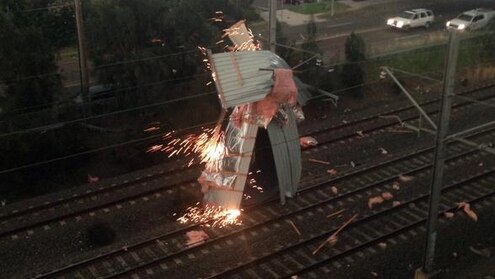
(287, 155)
(239, 80)
(238, 77)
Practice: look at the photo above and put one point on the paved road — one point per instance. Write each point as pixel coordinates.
(369, 22)
(374, 17)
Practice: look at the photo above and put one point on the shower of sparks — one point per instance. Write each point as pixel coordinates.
(212, 151)
(211, 216)
(208, 146)
(253, 184)
(155, 148)
(250, 44)
(218, 17)
(152, 129)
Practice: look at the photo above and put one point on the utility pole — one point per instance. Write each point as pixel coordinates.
(272, 25)
(83, 69)
(440, 154)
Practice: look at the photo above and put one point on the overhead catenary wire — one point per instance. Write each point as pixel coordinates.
(59, 124)
(133, 141)
(138, 140)
(314, 97)
(47, 8)
(93, 117)
(143, 59)
(70, 99)
(369, 60)
(63, 123)
(119, 63)
(76, 154)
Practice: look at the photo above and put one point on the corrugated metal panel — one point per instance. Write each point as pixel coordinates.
(287, 155)
(225, 198)
(232, 178)
(239, 80)
(238, 76)
(240, 36)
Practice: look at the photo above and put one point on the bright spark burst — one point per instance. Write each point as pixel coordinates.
(208, 146)
(250, 44)
(211, 216)
(253, 184)
(213, 151)
(152, 129)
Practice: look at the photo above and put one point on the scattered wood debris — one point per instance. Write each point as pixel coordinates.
(353, 164)
(375, 200)
(384, 151)
(336, 213)
(387, 196)
(307, 141)
(374, 274)
(333, 238)
(335, 190)
(319, 161)
(448, 214)
(294, 227)
(382, 245)
(483, 252)
(360, 133)
(406, 178)
(195, 238)
(400, 131)
(332, 171)
(466, 207)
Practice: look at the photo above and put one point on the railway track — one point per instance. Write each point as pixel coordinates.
(150, 185)
(166, 180)
(368, 230)
(265, 227)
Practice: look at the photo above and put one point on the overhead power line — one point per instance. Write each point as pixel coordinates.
(100, 66)
(36, 164)
(63, 123)
(70, 99)
(47, 8)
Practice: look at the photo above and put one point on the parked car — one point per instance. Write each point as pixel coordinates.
(471, 20)
(412, 19)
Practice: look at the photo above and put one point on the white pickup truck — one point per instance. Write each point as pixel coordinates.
(471, 20)
(412, 18)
